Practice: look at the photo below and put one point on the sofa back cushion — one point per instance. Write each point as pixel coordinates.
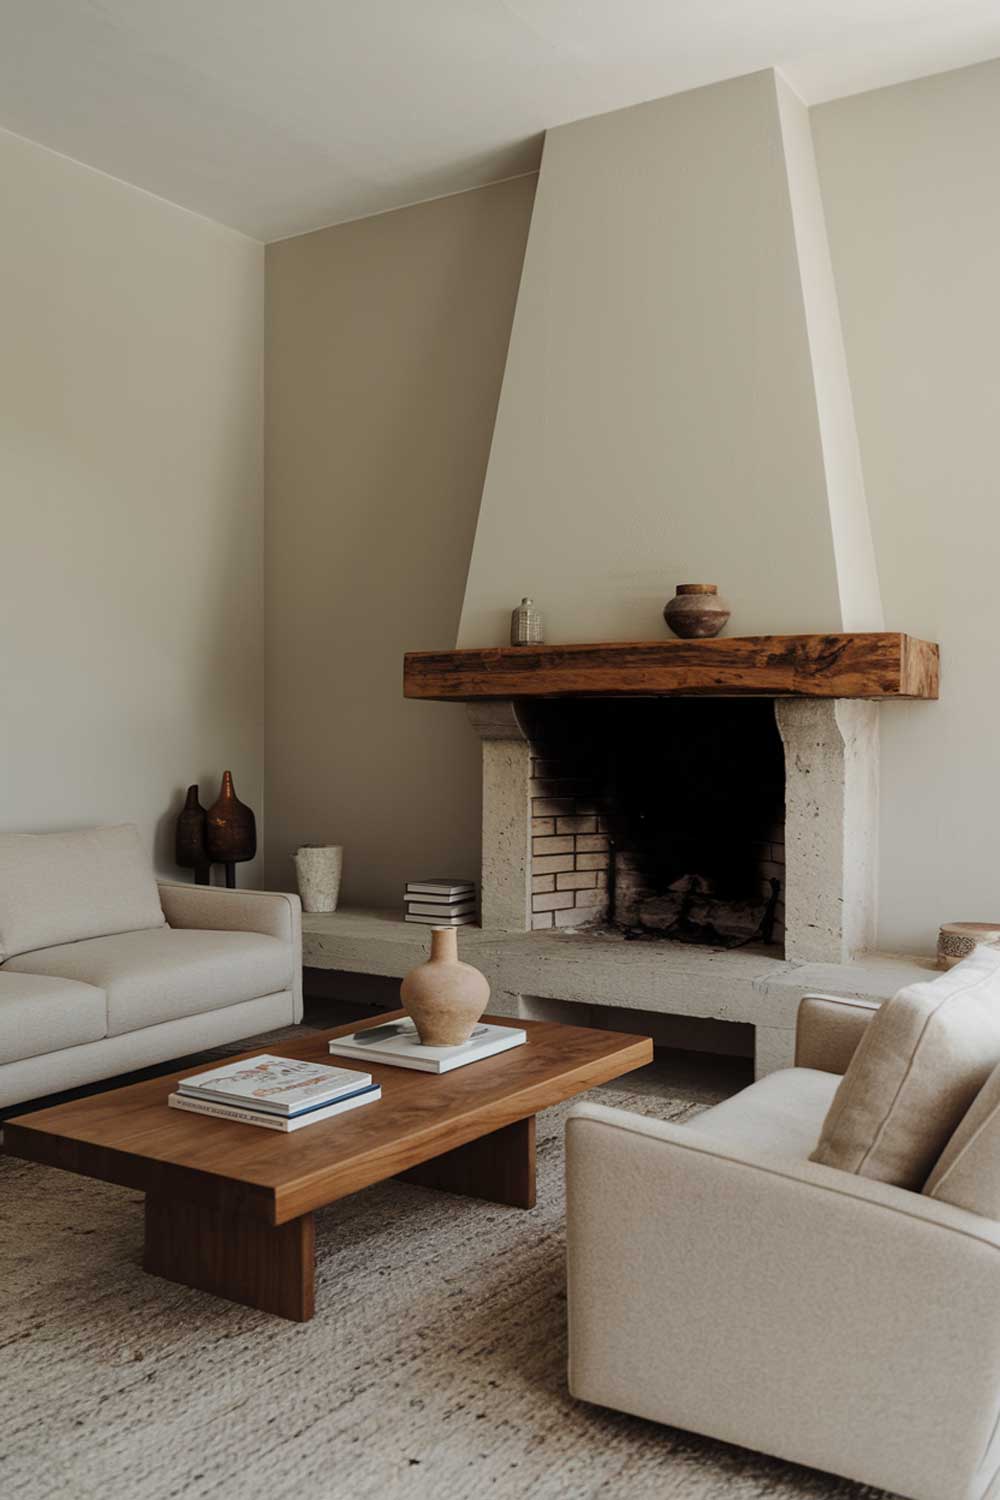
(968, 1171)
(922, 1061)
(61, 887)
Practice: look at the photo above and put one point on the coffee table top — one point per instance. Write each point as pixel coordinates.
(131, 1136)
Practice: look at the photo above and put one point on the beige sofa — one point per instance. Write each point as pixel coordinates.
(105, 970)
(720, 1281)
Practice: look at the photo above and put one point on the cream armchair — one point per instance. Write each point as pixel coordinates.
(721, 1282)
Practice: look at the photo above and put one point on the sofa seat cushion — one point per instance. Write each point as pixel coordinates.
(40, 1014)
(168, 973)
(920, 1064)
(64, 887)
(781, 1114)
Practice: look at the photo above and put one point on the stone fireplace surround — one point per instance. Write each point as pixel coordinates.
(545, 845)
(830, 867)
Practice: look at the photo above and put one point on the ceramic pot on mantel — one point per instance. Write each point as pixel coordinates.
(526, 627)
(443, 996)
(697, 611)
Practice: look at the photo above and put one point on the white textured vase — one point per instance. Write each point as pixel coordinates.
(318, 868)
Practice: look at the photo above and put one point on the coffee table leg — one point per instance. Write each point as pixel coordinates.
(499, 1167)
(240, 1258)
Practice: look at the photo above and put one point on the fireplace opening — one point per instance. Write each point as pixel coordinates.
(663, 818)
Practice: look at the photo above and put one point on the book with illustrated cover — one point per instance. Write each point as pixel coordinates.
(398, 1044)
(274, 1085)
(311, 1115)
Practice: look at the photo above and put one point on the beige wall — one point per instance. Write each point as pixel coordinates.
(130, 501)
(386, 346)
(910, 181)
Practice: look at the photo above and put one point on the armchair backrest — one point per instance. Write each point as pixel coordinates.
(828, 1030)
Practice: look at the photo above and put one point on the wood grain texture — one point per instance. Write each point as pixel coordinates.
(130, 1136)
(884, 664)
(243, 1260)
(499, 1167)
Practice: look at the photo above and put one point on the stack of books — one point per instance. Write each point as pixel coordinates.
(440, 902)
(279, 1093)
(398, 1043)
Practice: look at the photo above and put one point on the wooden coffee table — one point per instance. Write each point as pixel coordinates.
(229, 1207)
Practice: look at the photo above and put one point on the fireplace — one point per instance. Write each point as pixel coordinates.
(667, 414)
(711, 822)
(703, 709)
(664, 818)
(682, 828)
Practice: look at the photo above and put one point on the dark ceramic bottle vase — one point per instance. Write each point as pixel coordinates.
(230, 829)
(189, 845)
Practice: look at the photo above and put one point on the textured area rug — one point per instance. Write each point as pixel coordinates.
(435, 1366)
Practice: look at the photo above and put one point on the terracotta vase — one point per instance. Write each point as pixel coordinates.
(230, 826)
(696, 611)
(189, 845)
(444, 997)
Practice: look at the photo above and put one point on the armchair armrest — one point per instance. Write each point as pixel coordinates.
(785, 1306)
(828, 1030)
(276, 914)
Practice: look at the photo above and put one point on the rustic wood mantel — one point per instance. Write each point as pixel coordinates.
(874, 665)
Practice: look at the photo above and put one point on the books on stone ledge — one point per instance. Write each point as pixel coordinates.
(279, 1093)
(440, 902)
(398, 1043)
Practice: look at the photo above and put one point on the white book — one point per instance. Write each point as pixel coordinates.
(276, 1085)
(419, 909)
(274, 1122)
(398, 1044)
(440, 921)
(442, 888)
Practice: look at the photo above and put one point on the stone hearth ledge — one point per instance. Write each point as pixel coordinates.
(596, 967)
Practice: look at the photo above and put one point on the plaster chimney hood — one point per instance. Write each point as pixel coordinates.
(675, 402)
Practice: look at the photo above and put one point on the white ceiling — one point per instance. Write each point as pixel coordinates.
(281, 117)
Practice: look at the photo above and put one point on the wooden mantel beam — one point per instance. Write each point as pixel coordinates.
(882, 664)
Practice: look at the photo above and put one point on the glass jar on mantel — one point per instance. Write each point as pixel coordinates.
(526, 627)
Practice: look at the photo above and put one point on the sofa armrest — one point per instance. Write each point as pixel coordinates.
(276, 914)
(828, 1030)
(785, 1306)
